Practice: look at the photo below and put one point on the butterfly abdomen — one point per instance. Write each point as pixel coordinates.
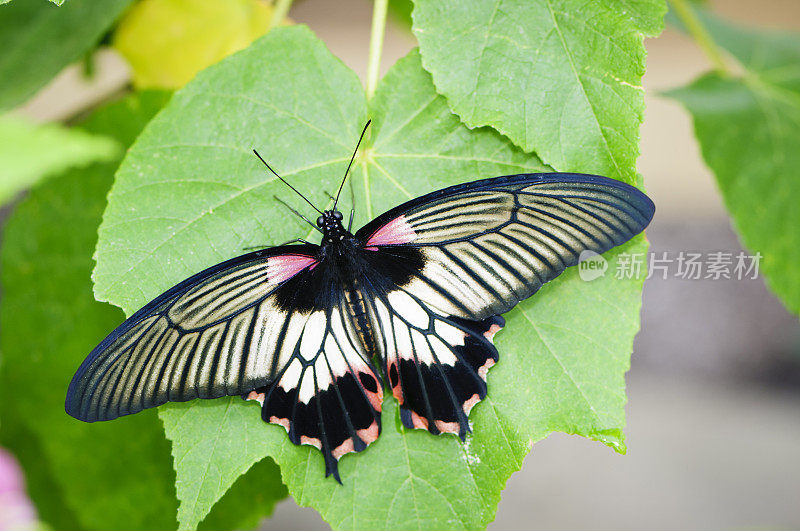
(357, 310)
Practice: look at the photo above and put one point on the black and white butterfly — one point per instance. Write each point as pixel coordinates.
(411, 301)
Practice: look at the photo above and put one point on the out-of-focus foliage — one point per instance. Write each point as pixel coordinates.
(50, 322)
(748, 126)
(38, 39)
(167, 42)
(564, 352)
(56, 2)
(400, 10)
(30, 152)
(86, 476)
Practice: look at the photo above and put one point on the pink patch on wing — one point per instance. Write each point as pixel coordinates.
(369, 435)
(485, 368)
(345, 448)
(489, 334)
(418, 422)
(258, 397)
(470, 403)
(313, 441)
(447, 427)
(395, 232)
(281, 422)
(283, 267)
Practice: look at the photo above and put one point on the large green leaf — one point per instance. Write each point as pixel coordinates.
(748, 127)
(100, 476)
(30, 152)
(190, 194)
(558, 77)
(39, 39)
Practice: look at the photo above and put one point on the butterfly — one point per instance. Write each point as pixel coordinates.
(409, 303)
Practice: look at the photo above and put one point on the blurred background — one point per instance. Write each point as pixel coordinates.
(714, 390)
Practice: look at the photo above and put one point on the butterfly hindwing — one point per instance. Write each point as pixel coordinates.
(327, 394)
(435, 364)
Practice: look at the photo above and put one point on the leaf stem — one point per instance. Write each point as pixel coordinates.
(376, 44)
(279, 11)
(700, 35)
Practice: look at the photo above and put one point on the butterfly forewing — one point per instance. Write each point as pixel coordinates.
(488, 245)
(210, 336)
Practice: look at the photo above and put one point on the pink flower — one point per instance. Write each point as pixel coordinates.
(16, 510)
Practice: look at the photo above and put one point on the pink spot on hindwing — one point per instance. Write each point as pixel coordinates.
(448, 427)
(370, 434)
(285, 266)
(421, 423)
(485, 368)
(395, 232)
(258, 397)
(489, 334)
(345, 448)
(281, 422)
(470, 403)
(312, 441)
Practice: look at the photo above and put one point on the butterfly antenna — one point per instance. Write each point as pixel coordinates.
(295, 212)
(285, 182)
(351, 163)
(352, 205)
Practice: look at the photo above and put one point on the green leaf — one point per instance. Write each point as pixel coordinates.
(39, 39)
(251, 499)
(558, 77)
(30, 152)
(190, 194)
(110, 475)
(167, 42)
(748, 128)
(400, 10)
(647, 15)
(209, 440)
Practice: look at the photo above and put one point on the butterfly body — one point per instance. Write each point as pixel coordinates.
(409, 303)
